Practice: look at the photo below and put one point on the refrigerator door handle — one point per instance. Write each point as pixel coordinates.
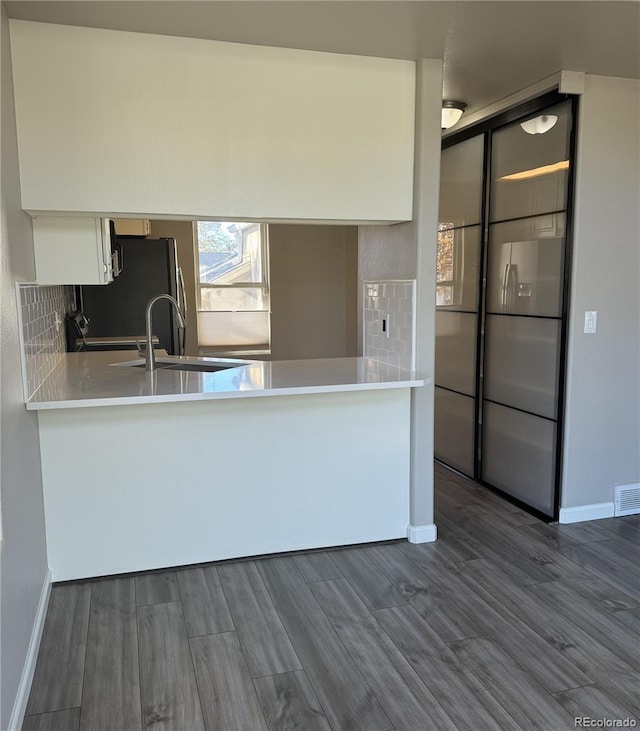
(183, 294)
(505, 286)
(182, 298)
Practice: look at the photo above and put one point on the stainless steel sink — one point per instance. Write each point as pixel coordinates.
(175, 363)
(201, 367)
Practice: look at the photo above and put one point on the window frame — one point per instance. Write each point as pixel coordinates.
(457, 255)
(241, 324)
(263, 284)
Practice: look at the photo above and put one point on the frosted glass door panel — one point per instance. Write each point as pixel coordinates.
(521, 363)
(461, 183)
(525, 266)
(454, 436)
(456, 351)
(518, 455)
(457, 269)
(530, 171)
(457, 282)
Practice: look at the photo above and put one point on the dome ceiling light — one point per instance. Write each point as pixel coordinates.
(451, 112)
(539, 125)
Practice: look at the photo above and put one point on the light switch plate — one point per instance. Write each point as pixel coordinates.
(590, 321)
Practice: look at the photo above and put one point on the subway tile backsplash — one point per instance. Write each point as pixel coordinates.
(389, 322)
(42, 312)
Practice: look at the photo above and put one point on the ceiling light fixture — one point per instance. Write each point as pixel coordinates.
(451, 112)
(539, 125)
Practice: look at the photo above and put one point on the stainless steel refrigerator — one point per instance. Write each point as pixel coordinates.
(117, 310)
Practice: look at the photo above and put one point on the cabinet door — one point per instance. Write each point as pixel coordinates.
(132, 226)
(72, 250)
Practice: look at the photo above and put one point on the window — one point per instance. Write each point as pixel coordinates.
(233, 287)
(445, 266)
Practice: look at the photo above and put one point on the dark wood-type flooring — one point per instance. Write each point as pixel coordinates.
(503, 623)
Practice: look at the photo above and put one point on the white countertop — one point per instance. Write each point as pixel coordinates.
(91, 379)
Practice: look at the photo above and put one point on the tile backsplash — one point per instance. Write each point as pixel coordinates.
(42, 312)
(389, 322)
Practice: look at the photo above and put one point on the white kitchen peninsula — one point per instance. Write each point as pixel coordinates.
(144, 471)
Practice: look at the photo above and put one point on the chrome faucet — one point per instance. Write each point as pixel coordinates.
(149, 355)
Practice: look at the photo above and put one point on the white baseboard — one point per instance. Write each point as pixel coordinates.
(580, 513)
(24, 688)
(422, 533)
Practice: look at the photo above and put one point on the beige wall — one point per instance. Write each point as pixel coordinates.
(24, 558)
(314, 295)
(313, 291)
(182, 232)
(353, 298)
(602, 421)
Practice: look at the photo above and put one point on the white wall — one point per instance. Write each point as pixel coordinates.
(24, 562)
(408, 251)
(602, 435)
(137, 123)
(250, 476)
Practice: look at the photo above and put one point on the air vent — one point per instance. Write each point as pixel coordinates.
(627, 499)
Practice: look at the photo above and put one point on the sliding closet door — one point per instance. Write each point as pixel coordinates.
(502, 300)
(524, 306)
(457, 296)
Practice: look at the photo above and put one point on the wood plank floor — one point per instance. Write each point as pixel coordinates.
(505, 623)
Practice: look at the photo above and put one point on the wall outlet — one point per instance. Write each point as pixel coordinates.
(385, 324)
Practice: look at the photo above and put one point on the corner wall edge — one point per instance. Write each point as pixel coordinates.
(24, 687)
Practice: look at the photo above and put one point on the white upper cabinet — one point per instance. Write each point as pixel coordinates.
(139, 125)
(72, 250)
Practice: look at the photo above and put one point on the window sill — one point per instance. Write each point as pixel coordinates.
(207, 351)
